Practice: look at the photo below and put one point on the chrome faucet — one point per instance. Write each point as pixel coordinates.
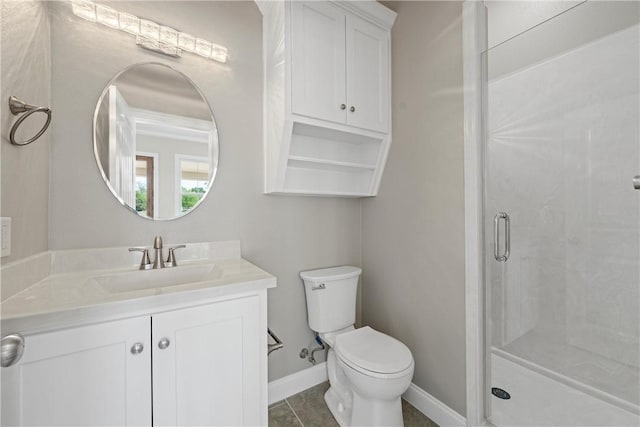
(158, 261)
(145, 262)
(171, 259)
(157, 246)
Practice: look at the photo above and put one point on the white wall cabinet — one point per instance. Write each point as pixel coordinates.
(208, 365)
(318, 78)
(327, 96)
(339, 66)
(368, 77)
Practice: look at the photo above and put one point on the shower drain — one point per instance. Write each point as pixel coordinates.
(500, 393)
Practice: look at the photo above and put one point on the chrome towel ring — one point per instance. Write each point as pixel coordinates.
(17, 107)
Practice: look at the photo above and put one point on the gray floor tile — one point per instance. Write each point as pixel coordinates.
(310, 407)
(414, 418)
(278, 403)
(281, 415)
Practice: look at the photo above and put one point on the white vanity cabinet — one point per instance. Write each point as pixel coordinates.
(339, 66)
(207, 365)
(202, 365)
(327, 83)
(82, 377)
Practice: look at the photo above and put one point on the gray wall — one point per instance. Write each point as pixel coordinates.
(25, 71)
(413, 231)
(283, 235)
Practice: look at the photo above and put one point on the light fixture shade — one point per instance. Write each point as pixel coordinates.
(187, 42)
(219, 53)
(149, 30)
(129, 23)
(168, 36)
(84, 9)
(149, 34)
(203, 48)
(158, 46)
(107, 16)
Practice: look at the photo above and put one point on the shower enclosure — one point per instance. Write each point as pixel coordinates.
(562, 220)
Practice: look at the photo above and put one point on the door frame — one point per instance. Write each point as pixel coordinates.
(152, 177)
(474, 41)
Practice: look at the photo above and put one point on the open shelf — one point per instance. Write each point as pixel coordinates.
(326, 179)
(333, 165)
(334, 145)
(324, 161)
(330, 193)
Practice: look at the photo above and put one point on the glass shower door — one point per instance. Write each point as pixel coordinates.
(563, 220)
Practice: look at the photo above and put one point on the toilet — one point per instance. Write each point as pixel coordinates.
(368, 370)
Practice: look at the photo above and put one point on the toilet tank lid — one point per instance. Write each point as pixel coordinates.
(332, 273)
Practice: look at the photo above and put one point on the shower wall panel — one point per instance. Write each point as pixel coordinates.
(563, 146)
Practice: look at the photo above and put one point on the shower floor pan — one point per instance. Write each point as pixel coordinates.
(605, 375)
(540, 397)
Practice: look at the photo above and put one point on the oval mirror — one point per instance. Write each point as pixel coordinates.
(155, 141)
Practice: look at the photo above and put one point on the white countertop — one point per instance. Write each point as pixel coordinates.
(72, 299)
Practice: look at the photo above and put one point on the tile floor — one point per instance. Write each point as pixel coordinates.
(307, 409)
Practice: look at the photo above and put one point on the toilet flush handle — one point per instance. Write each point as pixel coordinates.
(316, 288)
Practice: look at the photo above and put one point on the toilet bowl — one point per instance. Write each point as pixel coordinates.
(368, 371)
(378, 369)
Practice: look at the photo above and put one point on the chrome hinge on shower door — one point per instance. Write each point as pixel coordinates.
(496, 237)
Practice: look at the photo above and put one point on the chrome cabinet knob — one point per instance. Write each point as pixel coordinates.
(343, 106)
(352, 109)
(163, 343)
(11, 349)
(636, 182)
(137, 348)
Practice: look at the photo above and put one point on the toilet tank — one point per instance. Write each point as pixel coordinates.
(331, 297)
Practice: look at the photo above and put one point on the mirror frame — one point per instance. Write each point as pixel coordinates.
(214, 161)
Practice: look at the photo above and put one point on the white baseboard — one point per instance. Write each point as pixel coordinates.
(437, 411)
(299, 381)
(295, 383)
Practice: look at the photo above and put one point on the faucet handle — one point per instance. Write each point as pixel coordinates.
(171, 259)
(145, 263)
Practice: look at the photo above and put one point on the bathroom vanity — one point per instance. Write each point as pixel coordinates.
(118, 346)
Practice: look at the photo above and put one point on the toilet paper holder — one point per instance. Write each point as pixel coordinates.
(277, 345)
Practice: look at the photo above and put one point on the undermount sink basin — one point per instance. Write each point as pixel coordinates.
(149, 279)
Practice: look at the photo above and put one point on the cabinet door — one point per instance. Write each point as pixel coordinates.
(208, 372)
(368, 76)
(84, 376)
(318, 61)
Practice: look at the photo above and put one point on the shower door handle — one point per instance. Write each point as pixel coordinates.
(496, 237)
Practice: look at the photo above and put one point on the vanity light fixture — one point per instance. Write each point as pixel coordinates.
(149, 34)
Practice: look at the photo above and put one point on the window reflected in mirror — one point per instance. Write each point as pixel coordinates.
(194, 181)
(145, 185)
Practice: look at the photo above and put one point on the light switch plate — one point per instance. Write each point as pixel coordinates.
(5, 223)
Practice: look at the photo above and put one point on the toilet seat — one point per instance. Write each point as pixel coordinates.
(373, 353)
